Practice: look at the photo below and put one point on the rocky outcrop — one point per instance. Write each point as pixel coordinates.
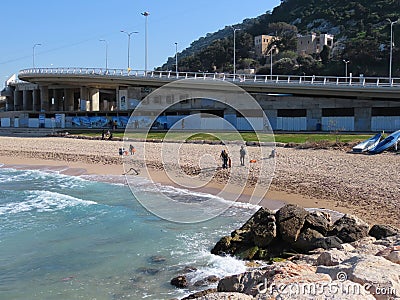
(325, 260)
(291, 219)
(292, 229)
(349, 228)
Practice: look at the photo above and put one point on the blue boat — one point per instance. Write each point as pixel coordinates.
(368, 144)
(390, 141)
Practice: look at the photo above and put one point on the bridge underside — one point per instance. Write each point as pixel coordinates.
(59, 101)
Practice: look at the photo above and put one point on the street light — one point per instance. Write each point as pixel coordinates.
(391, 48)
(129, 44)
(33, 54)
(145, 14)
(176, 58)
(270, 52)
(106, 52)
(346, 62)
(234, 51)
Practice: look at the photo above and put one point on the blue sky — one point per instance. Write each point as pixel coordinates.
(69, 30)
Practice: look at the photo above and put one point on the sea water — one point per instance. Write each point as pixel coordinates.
(67, 237)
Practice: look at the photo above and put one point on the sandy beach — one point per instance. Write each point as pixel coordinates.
(364, 185)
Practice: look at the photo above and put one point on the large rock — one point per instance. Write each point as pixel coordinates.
(223, 246)
(180, 281)
(305, 240)
(259, 281)
(291, 219)
(319, 221)
(379, 231)
(328, 242)
(379, 276)
(350, 228)
(333, 257)
(261, 228)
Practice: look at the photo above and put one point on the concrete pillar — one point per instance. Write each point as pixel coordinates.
(362, 118)
(95, 99)
(44, 98)
(68, 99)
(58, 100)
(25, 99)
(17, 100)
(272, 114)
(35, 100)
(84, 104)
(314, 119)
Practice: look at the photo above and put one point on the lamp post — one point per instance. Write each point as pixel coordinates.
(176, 58)
(145, 14)
(391, 48)
(33, 54)
(234, 51)
(129, 45)
(106, 52)
(346, 62)
(270, 52)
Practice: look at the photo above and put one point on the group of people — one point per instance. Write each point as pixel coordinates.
(226, 160)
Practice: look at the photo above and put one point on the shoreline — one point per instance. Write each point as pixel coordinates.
(309, 178)
(273, 200)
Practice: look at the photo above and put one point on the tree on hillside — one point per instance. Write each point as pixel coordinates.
(325, 54)
(286, 35)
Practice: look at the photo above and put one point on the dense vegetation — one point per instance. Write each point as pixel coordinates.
(361, 30)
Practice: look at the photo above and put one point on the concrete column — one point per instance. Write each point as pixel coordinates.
(68, 99)
(44, 98)
(35, 100)
(58, 100)
(25, 99)
(314, 117)
(17, 100)
(272, 114)
(95, 99)
(362, 118)
(84, 99)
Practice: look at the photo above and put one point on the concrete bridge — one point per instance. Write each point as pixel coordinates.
(291, 102)
(371, 87)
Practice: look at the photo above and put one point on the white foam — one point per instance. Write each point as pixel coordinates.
(220, 266)
(43, 201)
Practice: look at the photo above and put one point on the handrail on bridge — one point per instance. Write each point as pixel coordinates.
(349, 81)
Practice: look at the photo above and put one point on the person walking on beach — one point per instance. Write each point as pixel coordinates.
(242, 155)
(132, 149)
(224, 156)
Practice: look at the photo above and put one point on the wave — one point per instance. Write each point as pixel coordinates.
(43, 201)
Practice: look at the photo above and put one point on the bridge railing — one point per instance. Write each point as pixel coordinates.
(349, 81)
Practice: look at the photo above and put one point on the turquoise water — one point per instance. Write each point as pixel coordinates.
(65, 237)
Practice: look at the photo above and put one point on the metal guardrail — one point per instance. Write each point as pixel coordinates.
(371, 82)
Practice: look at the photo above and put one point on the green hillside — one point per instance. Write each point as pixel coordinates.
(361, 30)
